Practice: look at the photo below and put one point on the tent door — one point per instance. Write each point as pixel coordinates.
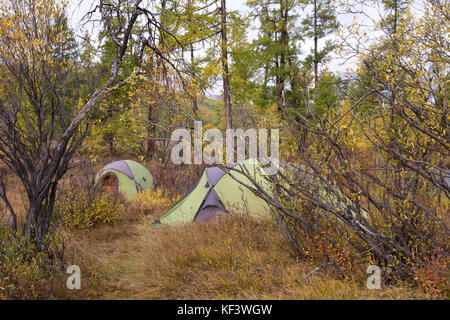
(110, 183)
(211, 207)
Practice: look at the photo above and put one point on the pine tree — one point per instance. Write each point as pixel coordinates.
(320, 24)
(395, 10)
(277, 48)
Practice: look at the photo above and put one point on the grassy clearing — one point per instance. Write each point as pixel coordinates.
(129, 257)
(233, 258)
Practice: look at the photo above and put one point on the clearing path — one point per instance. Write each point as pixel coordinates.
(124, 262)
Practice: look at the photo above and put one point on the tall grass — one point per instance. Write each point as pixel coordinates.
(129, 257)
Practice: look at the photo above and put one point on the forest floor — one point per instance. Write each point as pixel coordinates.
(225, 260)
(124, 260)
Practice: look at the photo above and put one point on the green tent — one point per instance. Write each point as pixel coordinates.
(218, 192)
(125, 176)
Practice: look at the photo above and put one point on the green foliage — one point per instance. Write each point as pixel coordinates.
(119, 129)
(395, 13)
(276, 47)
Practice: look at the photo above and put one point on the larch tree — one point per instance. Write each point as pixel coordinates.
(225, 68)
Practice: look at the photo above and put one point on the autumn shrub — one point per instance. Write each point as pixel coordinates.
(153, 203)
(433, 277)
(79, 210)
(378, 159)
(29, 273)
(326, 248)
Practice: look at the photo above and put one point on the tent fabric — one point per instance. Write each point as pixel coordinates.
(211, 207)
(214, 174)
(120, 166)
(132, 177)
(212, 199)
(238, 198)
(185, 210)
(218, 191)
(141, 176)
(209, 213)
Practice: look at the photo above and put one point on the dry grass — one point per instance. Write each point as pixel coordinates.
(15, 192)
(233, 258)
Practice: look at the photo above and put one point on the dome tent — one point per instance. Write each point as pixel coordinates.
(218, 192)
(125, 176)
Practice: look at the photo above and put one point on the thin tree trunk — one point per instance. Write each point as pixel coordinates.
(225, 75)
(283, 42)
(395, 16)
(316, 62)
(266, 64)
(194, 91)
(8, 205)
(31, 221)
(150, 143)
(155, 73)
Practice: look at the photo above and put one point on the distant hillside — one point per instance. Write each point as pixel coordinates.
(208, 110)
(211, 102)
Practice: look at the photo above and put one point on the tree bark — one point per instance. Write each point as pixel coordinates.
(316, 62)
(8, 205)
(283, 43)
(194, 91)
(225, 74)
